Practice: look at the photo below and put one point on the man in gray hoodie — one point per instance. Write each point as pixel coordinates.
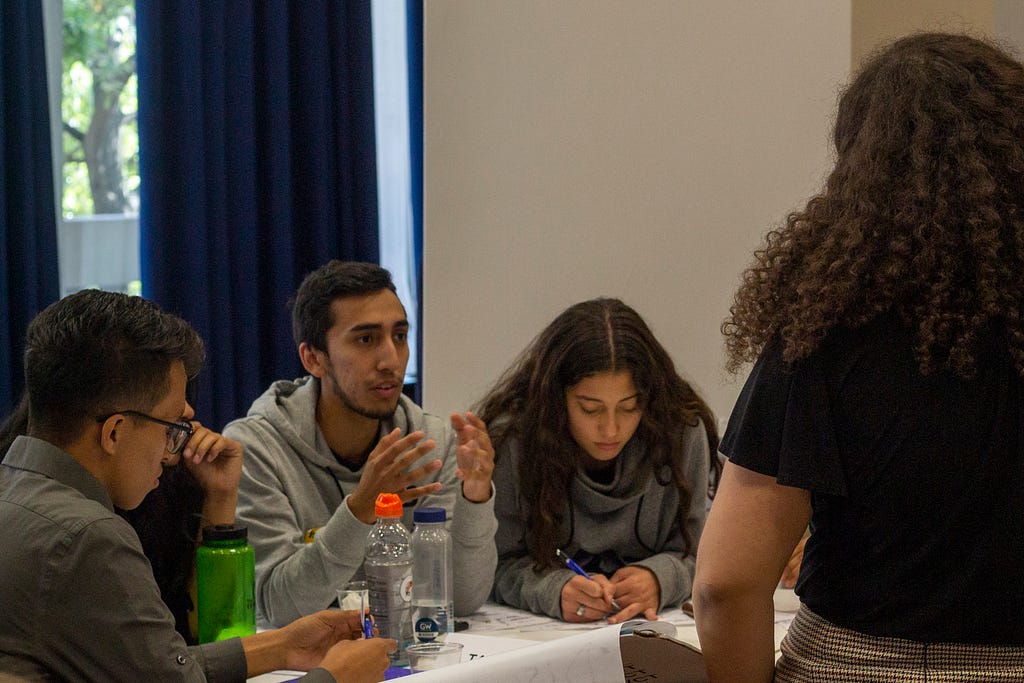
(319, 449)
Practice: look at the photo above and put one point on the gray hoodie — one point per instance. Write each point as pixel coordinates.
(632, 520)
(292, 485)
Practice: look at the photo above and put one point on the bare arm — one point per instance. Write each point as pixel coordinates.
(750, 534)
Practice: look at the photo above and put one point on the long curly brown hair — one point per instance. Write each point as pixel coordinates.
(922, 216)
(528, 404)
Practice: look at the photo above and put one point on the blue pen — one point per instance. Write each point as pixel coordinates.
(571, 564)
(367, 626)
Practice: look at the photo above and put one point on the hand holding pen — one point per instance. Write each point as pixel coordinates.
(581, 610)
(367, 626)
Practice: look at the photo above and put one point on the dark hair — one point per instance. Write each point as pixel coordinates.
(95, 352)
(528, 404)
(311, 307)
(922, 216)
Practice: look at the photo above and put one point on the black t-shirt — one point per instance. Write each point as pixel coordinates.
(917, 483)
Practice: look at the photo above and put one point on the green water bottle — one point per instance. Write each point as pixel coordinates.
(225, 584)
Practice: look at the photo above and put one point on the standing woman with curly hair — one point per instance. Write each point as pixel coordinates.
(604, 452)
(886, 403)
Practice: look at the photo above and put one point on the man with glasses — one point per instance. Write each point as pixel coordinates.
(105, 378)
(178, 433)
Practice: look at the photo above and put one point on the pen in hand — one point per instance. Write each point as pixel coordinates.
(367, 626)
(571, 564)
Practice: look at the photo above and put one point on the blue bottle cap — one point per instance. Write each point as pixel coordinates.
(429, 515)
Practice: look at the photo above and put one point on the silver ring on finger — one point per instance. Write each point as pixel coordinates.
(580, 610)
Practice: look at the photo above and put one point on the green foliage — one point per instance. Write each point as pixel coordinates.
(98, 78)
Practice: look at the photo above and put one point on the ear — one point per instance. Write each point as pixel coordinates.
(313, 360)
(111, 432)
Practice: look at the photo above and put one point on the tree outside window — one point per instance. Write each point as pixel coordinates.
(99, 105)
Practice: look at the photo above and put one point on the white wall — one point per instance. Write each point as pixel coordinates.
(596, 147)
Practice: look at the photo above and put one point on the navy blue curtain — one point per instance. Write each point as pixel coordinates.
(257, 160)
(28, 223)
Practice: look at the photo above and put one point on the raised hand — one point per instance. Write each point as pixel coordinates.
(387, 471)
(475, 455)
(216, 463)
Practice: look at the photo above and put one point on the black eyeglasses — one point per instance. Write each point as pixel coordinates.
(178, 433)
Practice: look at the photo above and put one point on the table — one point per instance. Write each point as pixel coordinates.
(509, 623)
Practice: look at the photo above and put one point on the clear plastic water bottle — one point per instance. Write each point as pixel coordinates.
(224, 584)
(432, 582)
(388, 569)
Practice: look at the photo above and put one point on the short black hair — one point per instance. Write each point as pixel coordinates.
(311, 307)
(96, 352)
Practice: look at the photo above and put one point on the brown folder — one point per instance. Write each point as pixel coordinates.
(651, 657)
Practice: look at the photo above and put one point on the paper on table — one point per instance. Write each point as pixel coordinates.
(590, 656)
(492, 617)
(475, 646)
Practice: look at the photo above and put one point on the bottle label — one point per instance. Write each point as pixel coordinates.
(390, 600)
(405, 590)
(427, 630)
(432, 621)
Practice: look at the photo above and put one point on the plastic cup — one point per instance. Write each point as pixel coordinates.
(355, 595)
(430, 656)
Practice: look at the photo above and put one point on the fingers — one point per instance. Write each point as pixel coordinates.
(387, 471)
(474, 456)
(419, 491)
(627, 612)
(790, 574)
(392, 445)
(394, 455)
(584, 600)
(607, 588)
(206, 445)
(469, 426)
(792, 571)
(591, 588)
(347, 624)
(636, 588)
(586, 613)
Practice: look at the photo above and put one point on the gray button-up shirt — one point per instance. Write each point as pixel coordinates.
(78, 601)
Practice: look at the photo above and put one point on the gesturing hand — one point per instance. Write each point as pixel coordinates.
(475, 456)
(386, 471)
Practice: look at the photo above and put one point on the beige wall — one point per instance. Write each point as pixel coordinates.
(594, 147)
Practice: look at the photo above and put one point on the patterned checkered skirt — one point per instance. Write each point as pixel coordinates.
(817, 650)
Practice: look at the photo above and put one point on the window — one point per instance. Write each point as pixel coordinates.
(96, 153)
(91, 55)
(394, 183)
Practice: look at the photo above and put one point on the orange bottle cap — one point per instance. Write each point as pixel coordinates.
(388, 505)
